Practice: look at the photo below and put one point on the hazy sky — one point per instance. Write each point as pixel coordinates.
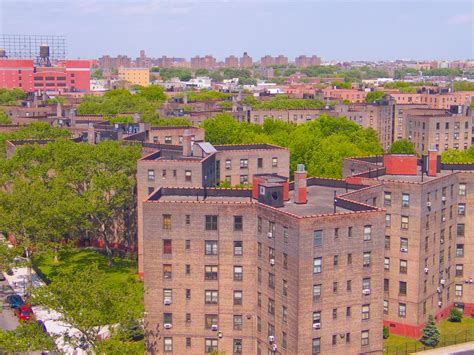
(342, 30)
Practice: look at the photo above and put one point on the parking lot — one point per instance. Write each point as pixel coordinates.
(8, 321)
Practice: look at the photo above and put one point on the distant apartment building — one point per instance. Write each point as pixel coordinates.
(267, 61)
(199, 164)
(68, 75)
(352, 95)
(135, 76)
(245, 61)
(207, 62)
(143, 61)
(165, 62)
(231, 62)
(428, 242)
(280, 268)
(377, 116)
(399, 112)
(438, 101)
(303, 61)
(108, 62)
(281, 60)
(439, 128)
(297, 116)
(174, 134)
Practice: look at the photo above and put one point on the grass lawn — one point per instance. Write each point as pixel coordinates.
(448, 332)
(123, 270)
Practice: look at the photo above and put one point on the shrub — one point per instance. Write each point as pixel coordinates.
(455, 315)
(386, 332)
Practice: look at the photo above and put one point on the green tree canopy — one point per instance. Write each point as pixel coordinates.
(373, 96)
(25, 338)
(321, 144)
(402, 146)
(458, 156)
(11, 96)
(4, 119)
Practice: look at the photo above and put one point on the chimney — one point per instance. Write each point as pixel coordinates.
(187, 151)
(432, 161)
(300, 185)
(59, 110)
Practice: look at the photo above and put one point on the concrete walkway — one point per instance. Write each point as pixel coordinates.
(459, 349)
(8, 320)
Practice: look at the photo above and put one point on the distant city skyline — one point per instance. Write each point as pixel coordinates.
(333, 30)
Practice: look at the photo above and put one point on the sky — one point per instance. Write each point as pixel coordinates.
(331, 29)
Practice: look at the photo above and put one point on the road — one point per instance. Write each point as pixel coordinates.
(8, 321)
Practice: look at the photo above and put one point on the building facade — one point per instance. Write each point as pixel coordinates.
(135, 76)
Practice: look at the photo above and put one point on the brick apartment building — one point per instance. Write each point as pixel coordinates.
(303, 61)
(438, 100)
(202, 164)
(231, 62)
(68, 75)
(135, 76)
(377, 116)
(264, 271)
(429, 246)
(440, 128)
(174, 134)
(297, 116)
(352, 95)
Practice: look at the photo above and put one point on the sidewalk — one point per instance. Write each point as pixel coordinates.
(459, 349)
(18, 282)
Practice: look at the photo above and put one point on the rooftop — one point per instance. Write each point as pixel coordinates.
(246, 146)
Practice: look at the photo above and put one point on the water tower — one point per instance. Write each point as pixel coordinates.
(43, 59)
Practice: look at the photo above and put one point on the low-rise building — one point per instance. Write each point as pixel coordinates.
(135, 76)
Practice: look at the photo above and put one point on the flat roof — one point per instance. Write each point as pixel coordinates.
(414, 178)
(246, 146)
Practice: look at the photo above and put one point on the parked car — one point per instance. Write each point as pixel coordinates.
(24, 312)
(15, 301)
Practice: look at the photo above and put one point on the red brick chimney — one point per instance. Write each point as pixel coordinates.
(300, 190)
(432, 161)
(187, 151)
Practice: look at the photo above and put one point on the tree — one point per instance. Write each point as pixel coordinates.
(97, 74)
(402, 146)
(4, 119)
(430, 333)
(455, 315)
(25, 338)
(386, 332)
(373, 96)
(11, 96)
(87, 303)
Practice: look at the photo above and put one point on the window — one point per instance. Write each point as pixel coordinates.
(210, 272)
(365, 311)
(259, 224)
(274, 162)
(336, 260)
(404, 244)
(167, 294)
(317, 265)
(167, 318)
(210, 345)
(188, 342)
(317, 317)
(460, 230)
(334, 313)
(237, 322)
(403, 266)
(316, 346)
(238, 248)
(316, 292)
(402, 288)
(284, 314)
(188, 269)
(367, 233)
(285, 261)
(334, 339)
(244, 179)
(460, 250)
(405, 200)
(167, 271)
(211, 223)
(317, 238)
(387, 198)
(151, 175)
(188, 293)
(385, 307)
(188, 219)
(259, 249)
(271, 280)
(163, 173)
(366, 283)
(285, 234)
(364, 338)
(366, 259)
(211, 296)
(166, 221)
(386, 264)
(238, 223)
(259, 299)
(386, 285)
(459, 270)
(334, 287)
(402, 310)
(167, 344)
(187, 244)
(462, 189)
(238, 273)
(349, 259)
(168, 140)
(284, 342)
(349, 285)
(210, 247)
(285, 287)
(259, 275)
(259, 162)
(388, 220)
(167, 246)
(244, 163)
(237, 346)
(462, 209)
(237, 298)
(259, 324)
(458, 290)
(387, 242)
(404, 222)
(228, 164)
(271, 306)
(210, 320)
(188, 175)
(349, 232)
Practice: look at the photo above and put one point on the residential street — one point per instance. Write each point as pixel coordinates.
(8, 321)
